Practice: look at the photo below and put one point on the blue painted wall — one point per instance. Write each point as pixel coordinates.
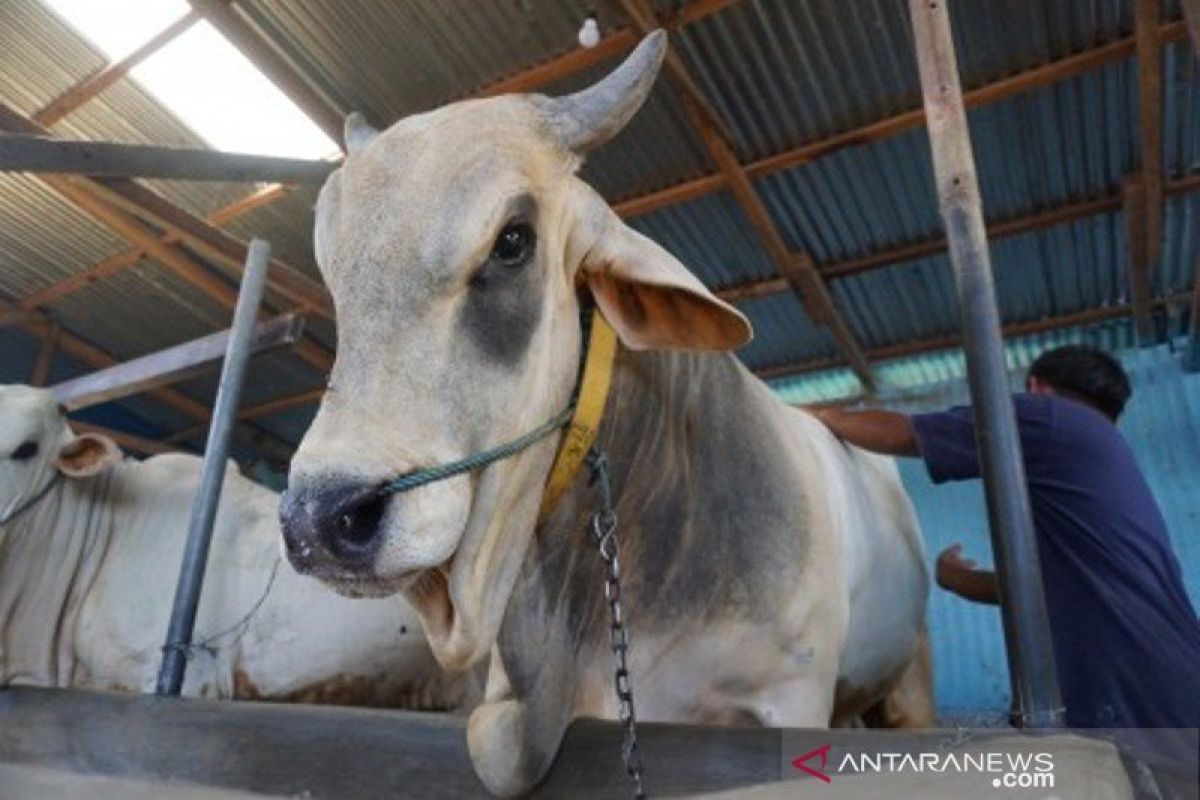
(1162, 423)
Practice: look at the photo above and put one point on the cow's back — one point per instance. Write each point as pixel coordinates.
(882, 562)
(262, 630)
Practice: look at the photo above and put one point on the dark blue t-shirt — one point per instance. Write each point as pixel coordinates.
(1126, 638)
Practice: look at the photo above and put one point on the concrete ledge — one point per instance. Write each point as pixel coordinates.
(56, 743)
(326, 752)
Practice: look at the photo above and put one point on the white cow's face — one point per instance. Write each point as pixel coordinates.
(454, 244)
(36, 444)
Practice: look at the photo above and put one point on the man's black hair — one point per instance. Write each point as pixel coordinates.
(1086, 374)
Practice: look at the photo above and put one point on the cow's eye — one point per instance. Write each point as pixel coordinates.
(514, 244)
(26, 451)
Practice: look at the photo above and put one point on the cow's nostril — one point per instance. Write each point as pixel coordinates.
(335, 520)
(355, 523)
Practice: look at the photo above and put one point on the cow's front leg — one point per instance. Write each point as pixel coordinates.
(513, 739)
(803, 701)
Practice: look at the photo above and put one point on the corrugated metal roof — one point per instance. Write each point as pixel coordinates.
(783, 332)
(44, 239)
(712, 237)
(391, 59)
(780, 73)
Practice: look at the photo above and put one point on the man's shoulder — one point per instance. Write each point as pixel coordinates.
(1070, 421)
(1054, 407)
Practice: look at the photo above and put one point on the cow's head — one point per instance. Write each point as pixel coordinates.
(35, 444)
(454, 244)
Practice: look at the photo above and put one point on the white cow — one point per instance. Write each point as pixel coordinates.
(90, 549)
(771, 573)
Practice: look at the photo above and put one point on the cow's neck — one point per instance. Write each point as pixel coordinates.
(693, 461)
(49, 557)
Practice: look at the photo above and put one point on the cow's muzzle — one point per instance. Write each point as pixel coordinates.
(333, 524)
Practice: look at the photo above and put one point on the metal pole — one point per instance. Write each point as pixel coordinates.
(1023, 603)
(204, 509)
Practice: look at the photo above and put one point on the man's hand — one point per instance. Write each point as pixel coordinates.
(952, 567)
(961, 575)
(879, 431)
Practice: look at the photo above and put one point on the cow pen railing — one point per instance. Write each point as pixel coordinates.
(233, 348)
(216, 452)
(1036, 699)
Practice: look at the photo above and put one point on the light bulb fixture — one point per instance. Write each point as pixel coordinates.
(589, 31)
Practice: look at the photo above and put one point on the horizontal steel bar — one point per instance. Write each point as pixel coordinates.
(26, 153)
(171, 365)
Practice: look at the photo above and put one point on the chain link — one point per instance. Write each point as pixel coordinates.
(603, 531)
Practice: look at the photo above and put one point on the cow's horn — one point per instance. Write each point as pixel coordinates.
(358, 132)
(589, 118)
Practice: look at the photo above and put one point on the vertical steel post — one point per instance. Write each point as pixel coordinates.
(1023, 603)
(204, 508)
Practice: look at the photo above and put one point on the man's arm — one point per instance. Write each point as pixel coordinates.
(961, 576)
(884, 432)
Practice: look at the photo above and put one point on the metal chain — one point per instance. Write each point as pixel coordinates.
(603, 530)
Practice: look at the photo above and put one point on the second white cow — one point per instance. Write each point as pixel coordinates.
(90, 548)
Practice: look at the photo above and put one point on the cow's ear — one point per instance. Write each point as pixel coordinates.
(87, 454)
(652, 301)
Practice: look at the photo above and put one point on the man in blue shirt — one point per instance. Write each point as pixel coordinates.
(1126, 637)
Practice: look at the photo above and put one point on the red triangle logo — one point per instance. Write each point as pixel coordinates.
(800, 763)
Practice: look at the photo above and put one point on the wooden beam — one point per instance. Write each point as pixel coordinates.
(117, 193)
(172, 258)
(694, 11)
(1133, 193)
(244, 205)
(1191, 16)
(105, 199)
(571, 62)
(1150, 101)
(172, 365)
(272, 63)
(997, 229)
(614, 44)
(127, 441)
(80, 350)
(560, 66)
(210, 241)
(645, 21)
(624, 39)
(950, 341)
(1003, 89)
(275, 406)
(147, 239)
(88, 354)
(797, 269)
(126, 260)
(46, 353)
(11, 316)
(106, 76)
(37, 154)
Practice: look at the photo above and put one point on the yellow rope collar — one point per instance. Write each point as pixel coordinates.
(589, 408)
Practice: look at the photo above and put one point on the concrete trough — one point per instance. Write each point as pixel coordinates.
(71, 744)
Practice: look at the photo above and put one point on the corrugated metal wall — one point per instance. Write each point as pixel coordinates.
(1162, 423)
